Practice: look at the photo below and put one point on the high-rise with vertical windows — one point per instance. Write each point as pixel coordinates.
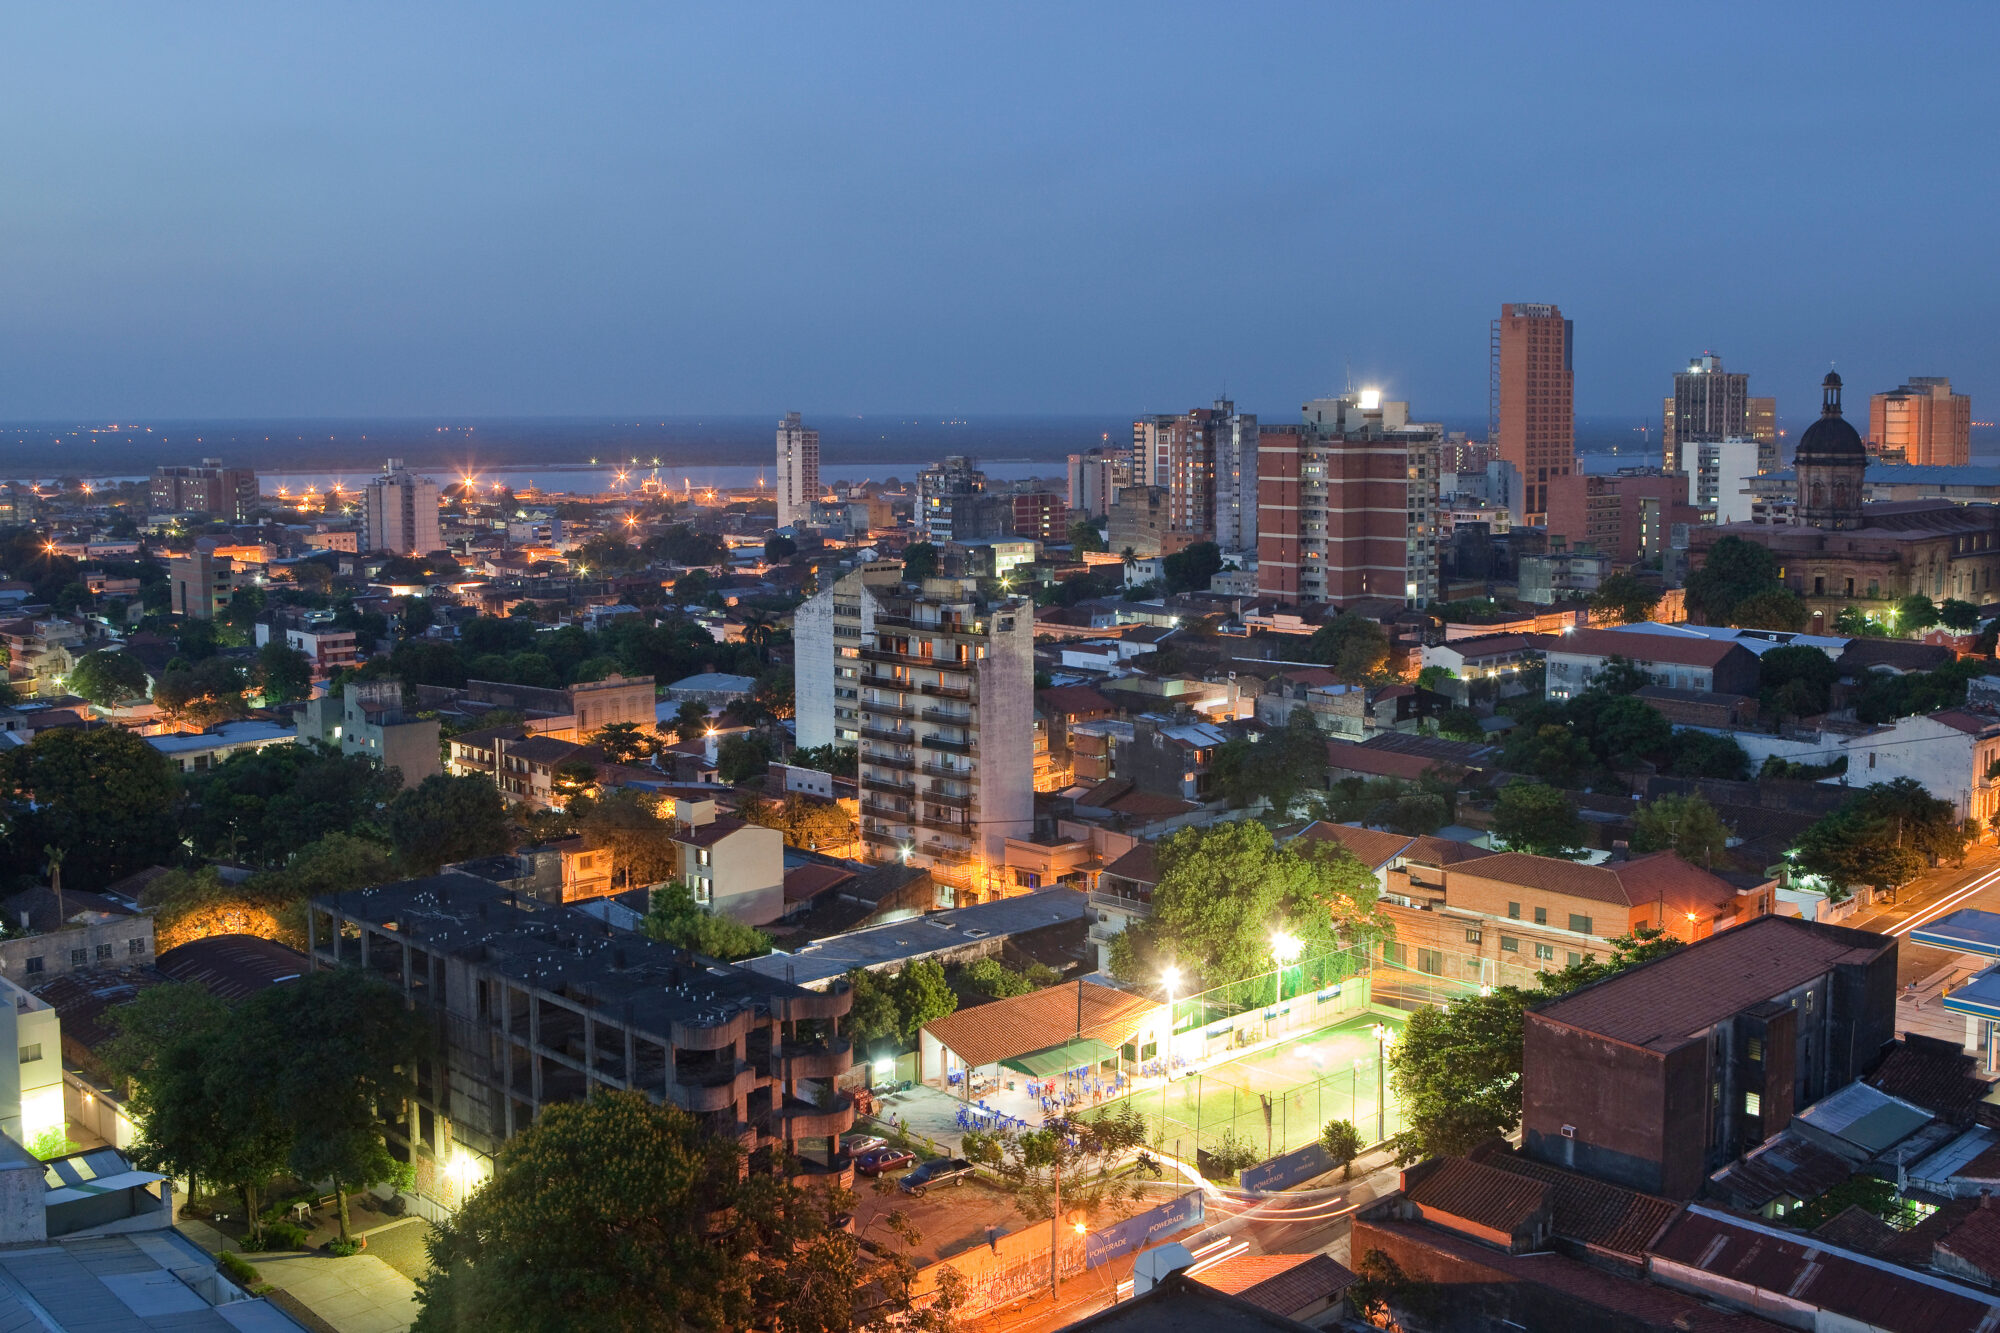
(1533, 399)
(1348, 504)
(798, 470)
(1206, 461)
(1924, 421)
(400, 513)
(946, 723)
(1709, 404)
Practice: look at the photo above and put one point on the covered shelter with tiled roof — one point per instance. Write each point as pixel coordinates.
(1297, 1286)
(1076, 1026)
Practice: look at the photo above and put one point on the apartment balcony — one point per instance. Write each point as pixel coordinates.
(893, 737)
(949, 717)
(886, 811)
(882, 837)
(813, 1059)
(716, 1090)
(877, 783)
(946, 744)
(947, 772)
(946, 854)
(800, 1120)
(912, 660)
(952, 799)
(875, 708)
(888, 761)
(943, 691)
(946, 823)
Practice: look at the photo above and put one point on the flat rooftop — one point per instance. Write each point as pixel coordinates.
(921, 936)
(639, 981)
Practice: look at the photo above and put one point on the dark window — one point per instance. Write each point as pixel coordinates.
(104, 953)
(34, 965)
(137, 944)
(1150, 1051)
(1508, 944)
(1473, 936)
(1395, 953)
(1513, 911)
(79, 958)
(1579, 924)
(30, 1054)
(1541, 916)
(1431, 961)
(1546, 952)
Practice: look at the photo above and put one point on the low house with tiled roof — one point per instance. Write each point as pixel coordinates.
(1305, 1287)
(736, 868)
(1503, 917)
(1079, 1025)
(1684, 663)
(1395, 857)
(1658, 1075)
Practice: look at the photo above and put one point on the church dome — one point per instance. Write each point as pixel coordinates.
(1830, 439)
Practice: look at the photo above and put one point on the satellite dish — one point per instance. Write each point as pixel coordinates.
(1154, 1266)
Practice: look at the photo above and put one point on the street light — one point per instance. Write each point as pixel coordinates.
(1285, 949)
(1382, 1035)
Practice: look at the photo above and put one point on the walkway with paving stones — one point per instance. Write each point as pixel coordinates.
(358, 1294)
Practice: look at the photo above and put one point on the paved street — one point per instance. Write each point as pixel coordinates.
(1932, 895)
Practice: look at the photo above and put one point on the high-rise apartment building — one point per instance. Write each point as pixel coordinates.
(1040, 515)
(1348, 504)
(941, 490)
(1709, 403)
(798, 470)
(400, 513)
(946, 723)
(229, 493)
(1925, 420)
(827, 633)
(1095, 479)
(1206, 461)
(1532, 399)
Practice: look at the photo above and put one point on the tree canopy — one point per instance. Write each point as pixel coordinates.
(1883, 836)
(1540, 820)
(1736, 569)
(1227, 889)
(1626, 596)
(103, 797)
(676, 918)
(108, 676)
(1277, 767)
(1684, 824)
(260, 806)
(445, 819)
(1352, 646)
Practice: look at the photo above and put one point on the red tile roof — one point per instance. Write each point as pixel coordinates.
(1976, 1240)
(1935, 1074)
(1139, 865)
(1372, 847)
(1971, 723)
(989, 1033)
(1352, 758)
(1590, 1212)
(1856, 1287)
(1073, 701)
(810, 881)
(1502, 1201)
(1645, 879)
(1284, 1284)
(1634, 647)
(1658, 1004)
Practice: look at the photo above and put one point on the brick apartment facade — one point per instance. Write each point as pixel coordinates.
(1658, 1076)
(1628, 517)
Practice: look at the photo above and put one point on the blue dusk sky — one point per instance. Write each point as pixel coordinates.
(217, 210)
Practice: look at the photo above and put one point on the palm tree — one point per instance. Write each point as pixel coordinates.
(55, 855)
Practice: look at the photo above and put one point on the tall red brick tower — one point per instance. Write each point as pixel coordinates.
(1533, 412)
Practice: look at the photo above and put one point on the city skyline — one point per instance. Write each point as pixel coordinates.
(255, 217)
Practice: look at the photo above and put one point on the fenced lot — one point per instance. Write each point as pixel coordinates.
(1278, 1098)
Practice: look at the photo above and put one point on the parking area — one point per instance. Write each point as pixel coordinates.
(950, 1219)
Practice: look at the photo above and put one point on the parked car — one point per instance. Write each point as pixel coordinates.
(877, 1160)
(856, 1144)
(937, 1171)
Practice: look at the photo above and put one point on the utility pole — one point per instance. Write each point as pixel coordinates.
(1055, 1223)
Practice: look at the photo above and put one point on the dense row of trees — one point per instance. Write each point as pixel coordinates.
(1607, 727)
(1883, 836)
(297, 1079)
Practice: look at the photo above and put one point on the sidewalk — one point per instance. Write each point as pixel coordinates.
(358, 1294)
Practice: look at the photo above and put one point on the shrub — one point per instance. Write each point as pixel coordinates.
(1342, 1142)
(237, 1269)
(342, 1249)
(282, 1236)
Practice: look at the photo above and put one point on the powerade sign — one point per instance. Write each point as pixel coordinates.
(1288, 1169)
(1134, 1233)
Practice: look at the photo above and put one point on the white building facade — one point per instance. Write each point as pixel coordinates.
(400, 513)
(798, 470)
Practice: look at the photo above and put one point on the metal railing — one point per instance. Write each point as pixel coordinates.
(948, 718)
(945, 743)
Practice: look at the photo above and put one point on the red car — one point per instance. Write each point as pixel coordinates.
(877, 1160)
